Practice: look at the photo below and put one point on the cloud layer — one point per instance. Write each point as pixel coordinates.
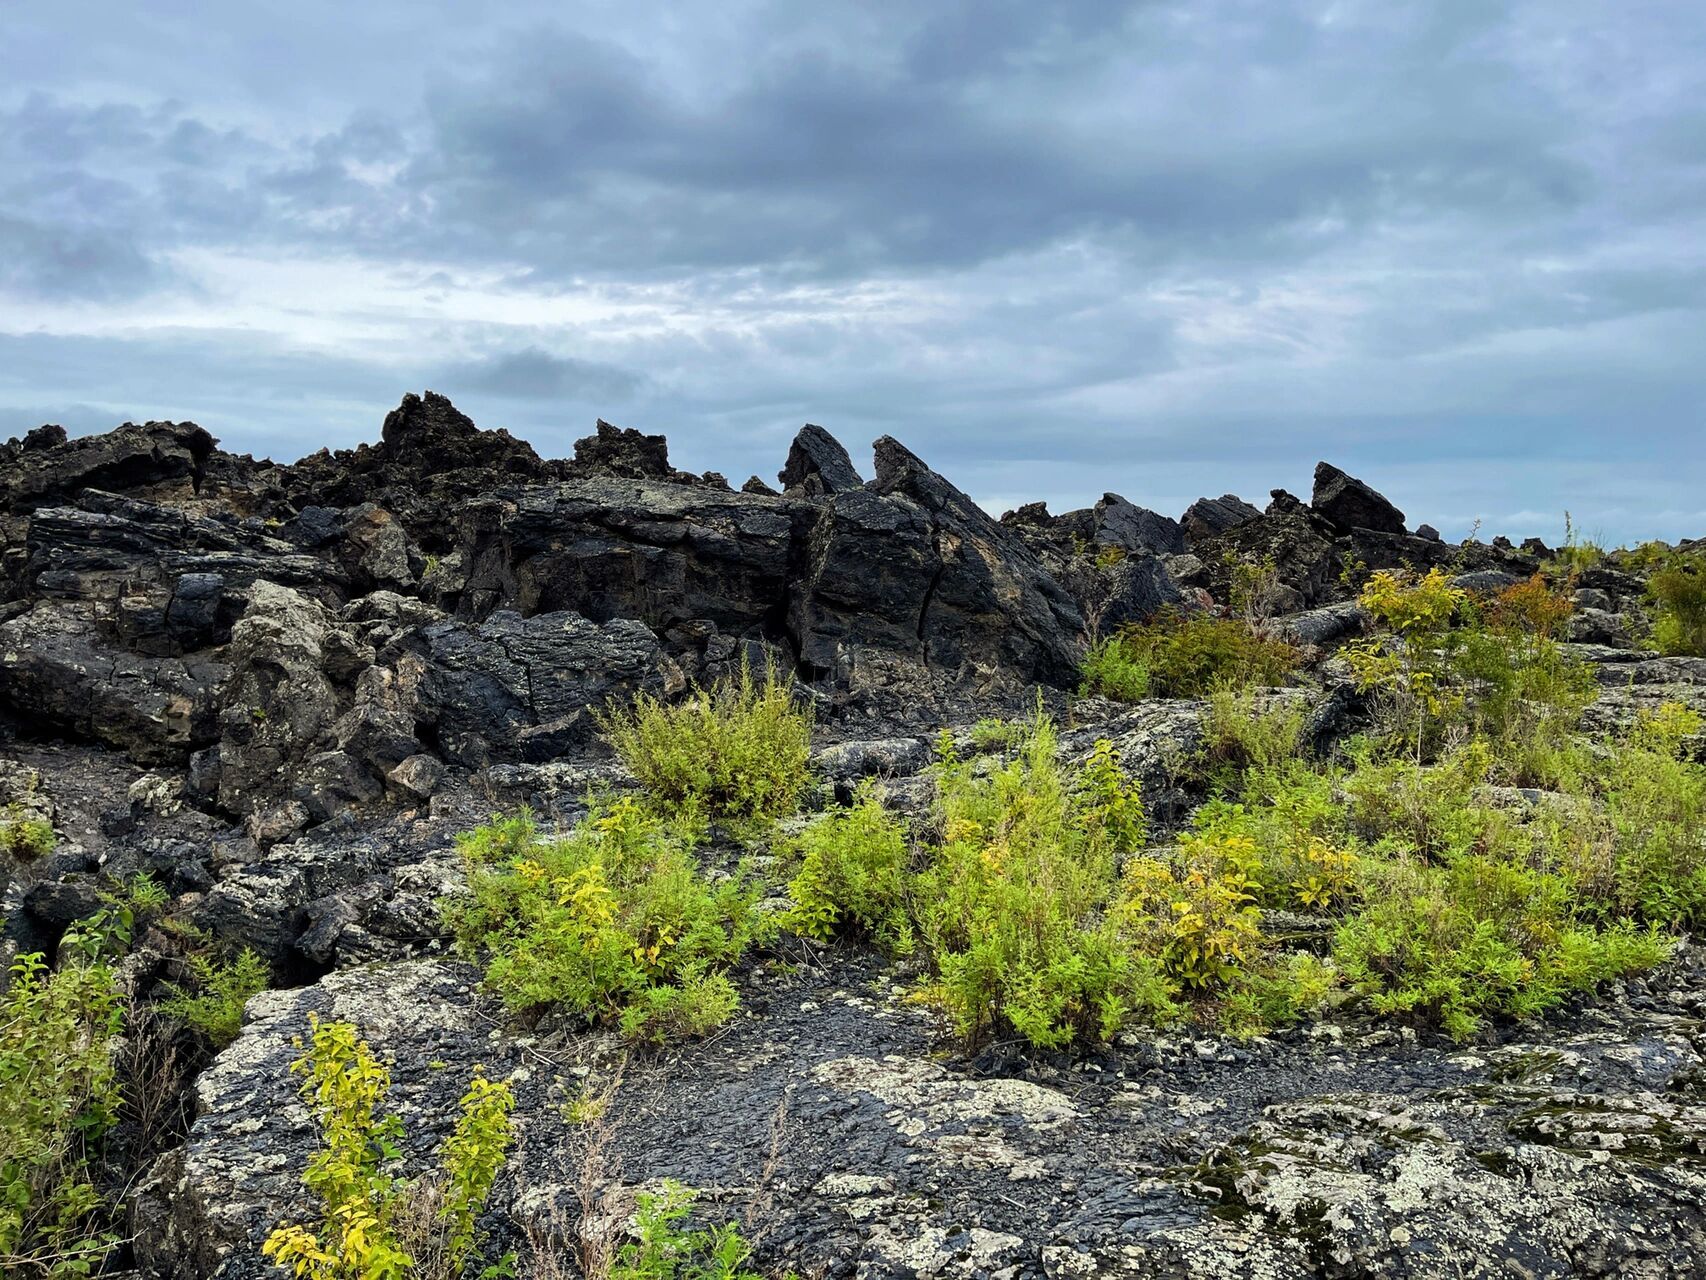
(1163, 248)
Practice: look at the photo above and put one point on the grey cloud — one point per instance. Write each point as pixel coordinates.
(536, 374)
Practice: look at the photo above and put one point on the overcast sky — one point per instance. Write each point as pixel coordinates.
(1458, 248)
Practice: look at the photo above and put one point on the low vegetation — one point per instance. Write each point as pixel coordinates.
(615, 921)
(1184, 655)
(59, 1097)
(664, 1247)
(212, 1003)
(24, 836)
(1036, 905)
(1677, 590)
(737, 750)
(375, 1224)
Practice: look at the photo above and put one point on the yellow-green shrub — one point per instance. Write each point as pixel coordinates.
(367, 1231)
(1678, 593)
(1188, 656)
(1480, 937)
(213, 1005)
(852, 872)
(614, 921)
(1013, 912)
(738, 750)
(24, 836)
(59, 1094)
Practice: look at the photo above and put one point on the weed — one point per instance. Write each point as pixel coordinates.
(25, 837)
(374, 1224)
(59, 1095)
(852, 875)
(213, 1005)
(739, 749)
(614, 921)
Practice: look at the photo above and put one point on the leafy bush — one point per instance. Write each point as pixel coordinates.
(614, 921)
(1678, 593)
(25, 837)
(852, 875)
(737, 750)
(1198, 918)
(59, 1095)
(214, 1004)
(993, 734)
(1237, 736)
(1110, 670)
(374, 1224)
(1478, 938)
(665, 1249)
(1013, 910)
(1409, 665)
(1190, 655)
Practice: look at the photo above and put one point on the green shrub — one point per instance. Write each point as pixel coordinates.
(1198, 917)
(59, 1095)
(614, 921)
(1013, 912)
(665, 1249)
(1190, 655)
(852, 873)
(214, 1004)
(1477, 938)
(26, 838)
(1642, 852)
(374, 1224)
(1276, 991)
(1678, 593)
(1109, 670)
(737, 750)
(1237, 736)
(994, 734)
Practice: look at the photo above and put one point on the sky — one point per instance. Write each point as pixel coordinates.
(1457, 247)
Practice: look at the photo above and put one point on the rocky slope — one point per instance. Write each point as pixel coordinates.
(282, 690)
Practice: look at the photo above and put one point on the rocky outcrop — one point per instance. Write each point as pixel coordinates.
(514, 688)
(1347, 503)
(1208, 516)
(817, 465)
(1124, 525)
(45, 468)
(909, 575)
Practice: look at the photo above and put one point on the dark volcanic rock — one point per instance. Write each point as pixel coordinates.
(911, 573)
(63, 672)
(514, 688)
(1208, 516)
(427, 436)
(1132, 528)
(818, 465)
(44, 467)
(620, 451)
(1348, 503)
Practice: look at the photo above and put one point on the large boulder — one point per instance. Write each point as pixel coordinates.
(911, 571)
(1130, 527)
(818, 465)
(1208, 516)
(277, 704)
(1347, 503)
(514, 688)
(656, 552)
(46, 468)
(63, 670)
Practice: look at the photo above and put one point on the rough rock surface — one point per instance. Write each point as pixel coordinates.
(1342, 1150)
(1347, 503)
